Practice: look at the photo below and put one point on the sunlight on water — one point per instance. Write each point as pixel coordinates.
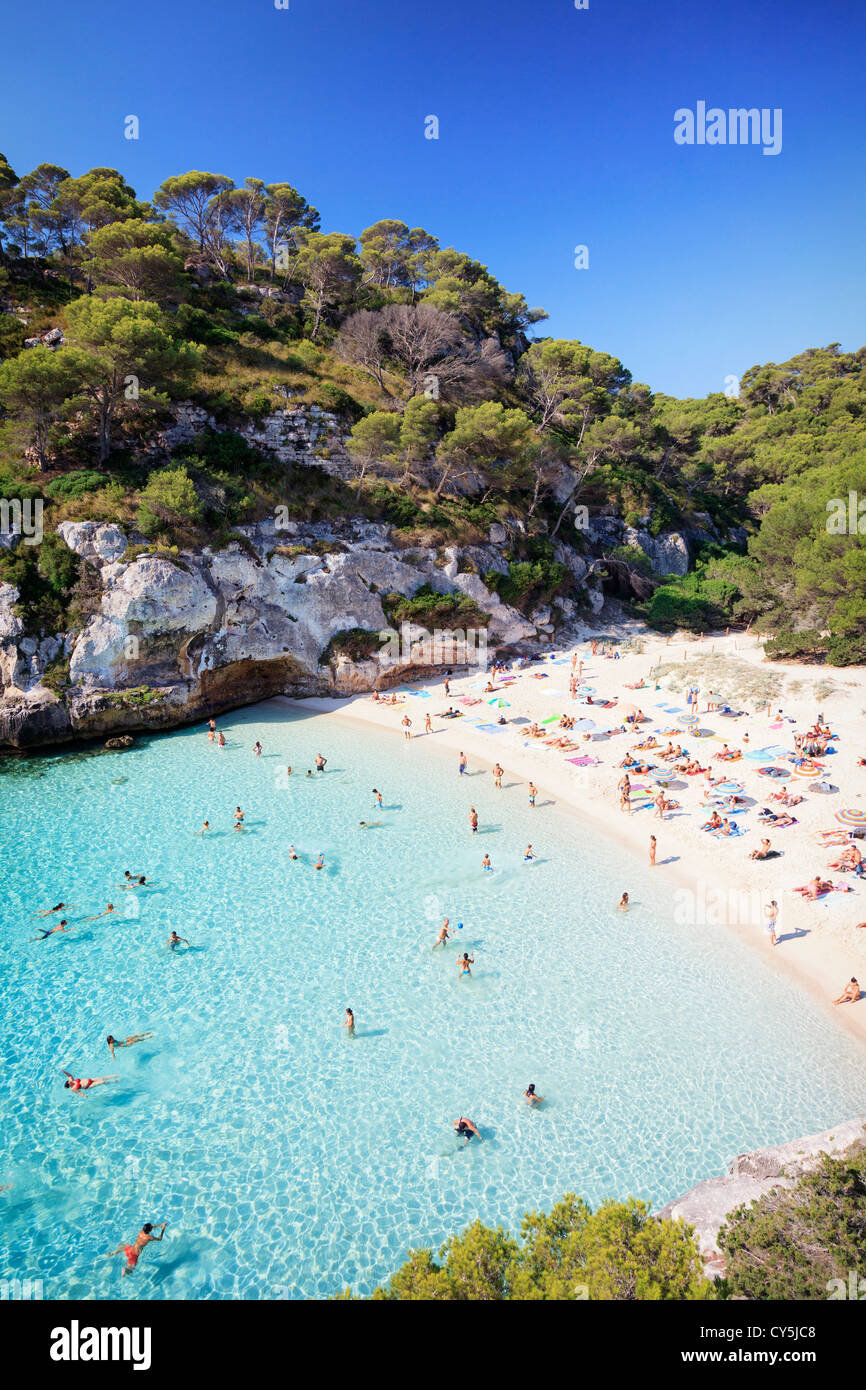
(287, 1158)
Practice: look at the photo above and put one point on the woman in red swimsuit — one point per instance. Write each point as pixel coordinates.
(76, 1083)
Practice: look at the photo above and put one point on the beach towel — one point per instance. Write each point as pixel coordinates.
(735, 830)
(489, 728)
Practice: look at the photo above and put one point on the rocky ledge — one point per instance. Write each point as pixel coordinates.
(750, 1176)
(176, 637)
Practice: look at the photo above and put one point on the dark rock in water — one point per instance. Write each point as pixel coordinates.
(118, 781)
(123, 741)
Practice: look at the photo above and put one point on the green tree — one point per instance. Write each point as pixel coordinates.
(288, 218)
(127, 355)
(374, 439)
(329, 270)
(137, 259)
(168, 499)
(195, 202)
(248, 206)
(34, 388)
(483, 435)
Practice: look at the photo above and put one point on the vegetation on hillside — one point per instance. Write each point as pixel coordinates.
(457, 415)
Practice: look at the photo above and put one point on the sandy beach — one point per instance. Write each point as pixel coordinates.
(711, 878)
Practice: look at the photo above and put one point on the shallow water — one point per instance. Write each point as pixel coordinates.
(288, 1159)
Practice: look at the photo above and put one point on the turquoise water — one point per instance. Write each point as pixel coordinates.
(288, 1159)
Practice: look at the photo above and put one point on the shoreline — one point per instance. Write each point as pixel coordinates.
(817, 956)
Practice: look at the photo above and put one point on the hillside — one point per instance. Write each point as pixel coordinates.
(208, 373)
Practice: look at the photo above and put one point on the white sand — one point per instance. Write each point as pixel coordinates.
(820, 943)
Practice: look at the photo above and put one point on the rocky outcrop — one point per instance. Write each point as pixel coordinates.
(300, 434)
(177, 637)
(750, 1176)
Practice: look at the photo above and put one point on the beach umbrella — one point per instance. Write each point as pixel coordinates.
(500, 704)
(583, 726)
(808, 772)
(728, 787)
(774, 772)
(823, 787)
(851, 816)
(688, 719)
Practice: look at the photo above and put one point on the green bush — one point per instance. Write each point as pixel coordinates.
(807, 645)
(793, 1241)
(528, 582)
(393, 505)
(45, 576)
(76, 484)
(431, 610)
(332, 397)
(846, 650)
(168, 499)
(355, 642)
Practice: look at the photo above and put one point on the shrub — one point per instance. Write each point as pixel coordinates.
(44, 576)
(355, 642)
(807, 645)
(431, 610)
(793, 1241)
(332, 397)
(168, 499)
(77, 484)
(846, 650)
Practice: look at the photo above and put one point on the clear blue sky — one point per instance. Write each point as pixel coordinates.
(556, 128)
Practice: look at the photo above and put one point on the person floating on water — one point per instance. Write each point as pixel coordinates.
(133, 1252)
(466, 1128)
(62, 926)
(370, 824)
(444, 935)
(125, 1042)
(349, 1023)
(108, 910)
(174, 941)
(79, 1084)
(530, 1096)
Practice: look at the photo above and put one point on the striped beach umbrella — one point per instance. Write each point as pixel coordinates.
(808, 772)
(851, 816)
(688, 719)
(499, 704)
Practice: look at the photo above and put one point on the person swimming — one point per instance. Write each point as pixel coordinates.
(370, 824)
(79, 1084)
(59, 907)
(133, 1251)
(205, 828)
(292, 852)
(108, 910)
(530, 1096)
(134, 880)
(62, 926)
(174, 941)
(320, 862)
(125, 1042)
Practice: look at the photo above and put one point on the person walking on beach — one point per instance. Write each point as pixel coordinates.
(320, 762)
(444, 935)
(125, 1042)
(447, 686)
(771, 913)
(428, 725)
(473, 820)
(652, 851)
(407, 726)
(133, 1251)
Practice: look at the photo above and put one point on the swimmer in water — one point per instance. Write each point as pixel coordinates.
(257, 749)
(109, 909)
(444, 935)
(62, 926)
(486, 864)
(133, 1251)
(134, 880)
(205, 828)
(378, 796)
(463, 964)
(309, 772)
(466, 1129)
(125, 1042)
(529, 854)
(370, 824)
(288, 771)
(349, 1023)
(320, 862)
(79, 1084)
(60, 907)
(174, 941)
(530, 1096)
(292, 852)
(623, 902)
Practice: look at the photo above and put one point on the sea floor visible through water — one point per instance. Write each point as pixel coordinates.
(289, 1159)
